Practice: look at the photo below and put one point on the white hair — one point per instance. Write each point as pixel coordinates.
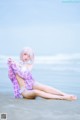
(29, 51)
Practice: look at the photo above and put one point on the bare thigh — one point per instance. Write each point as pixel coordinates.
(47, 89)
(43, 87)
(29, 94)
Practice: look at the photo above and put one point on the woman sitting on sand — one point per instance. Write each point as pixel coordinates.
(24, 83)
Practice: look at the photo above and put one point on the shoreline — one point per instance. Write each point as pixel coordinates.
(39, 108)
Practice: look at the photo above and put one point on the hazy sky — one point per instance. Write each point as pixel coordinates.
(48, 26)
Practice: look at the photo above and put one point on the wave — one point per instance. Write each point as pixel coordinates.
(57, 62)
(47, 59)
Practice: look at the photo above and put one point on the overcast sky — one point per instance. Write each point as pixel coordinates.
(48, 26)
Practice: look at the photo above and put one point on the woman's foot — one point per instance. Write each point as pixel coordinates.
(70, 97)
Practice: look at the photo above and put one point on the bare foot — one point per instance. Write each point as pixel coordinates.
(70, 97)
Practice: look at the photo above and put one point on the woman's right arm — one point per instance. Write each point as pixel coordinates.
(16, 69)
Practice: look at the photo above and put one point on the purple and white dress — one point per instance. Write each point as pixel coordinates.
(23, 73)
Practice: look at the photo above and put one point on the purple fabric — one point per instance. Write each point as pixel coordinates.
(26, 75)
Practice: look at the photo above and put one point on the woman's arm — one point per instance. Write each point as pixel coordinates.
(12, 77)
(17, 70)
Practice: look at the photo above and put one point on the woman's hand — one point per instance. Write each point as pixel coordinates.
(10, 60)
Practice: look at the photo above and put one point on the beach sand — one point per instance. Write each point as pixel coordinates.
(38, 109)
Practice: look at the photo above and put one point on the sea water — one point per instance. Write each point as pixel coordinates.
(64, 76)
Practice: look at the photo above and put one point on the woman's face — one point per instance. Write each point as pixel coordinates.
(25, 57)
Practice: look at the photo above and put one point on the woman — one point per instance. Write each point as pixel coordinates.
(24, 83)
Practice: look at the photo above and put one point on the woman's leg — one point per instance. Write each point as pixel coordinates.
(49, 89)
(30, 94)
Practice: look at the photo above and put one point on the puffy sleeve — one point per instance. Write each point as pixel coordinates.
(11, 75)
(13, 79)
(16, 69)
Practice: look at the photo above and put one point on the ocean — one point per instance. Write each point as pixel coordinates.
(63, 74)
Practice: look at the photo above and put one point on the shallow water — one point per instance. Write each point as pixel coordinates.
(64, 80)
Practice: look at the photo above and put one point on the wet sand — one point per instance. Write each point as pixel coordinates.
(38, 109)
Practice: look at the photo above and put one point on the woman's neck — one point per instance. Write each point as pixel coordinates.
(27, 62)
